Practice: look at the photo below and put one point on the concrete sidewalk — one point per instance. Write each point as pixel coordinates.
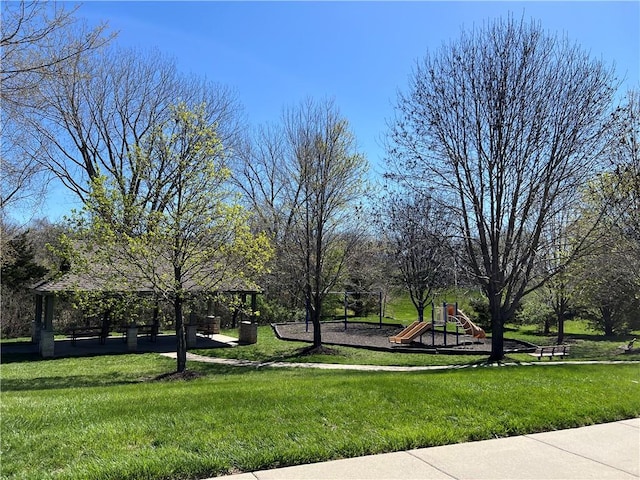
(233, 362)
(606, 451)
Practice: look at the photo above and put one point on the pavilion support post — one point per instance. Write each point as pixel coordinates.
(36, 325)
(213, 304)
(47, 343)
(254, 303)
(192, 330)
(49, 306)
(243, 299)
(192, 336)
(132, 337)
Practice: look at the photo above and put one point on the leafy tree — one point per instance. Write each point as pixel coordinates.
(198, 239)
(20, 269)
(507, 123)
(303, 180)
(608, 291)
(607, 281)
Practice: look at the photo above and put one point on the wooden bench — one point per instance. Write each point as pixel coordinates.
(551, 351)
(78, 332)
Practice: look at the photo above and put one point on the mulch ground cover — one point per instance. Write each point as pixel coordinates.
(376, 337)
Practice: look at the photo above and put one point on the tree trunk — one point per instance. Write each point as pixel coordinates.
(317, 335)
(181, 339)
(547, 326)
(106, 323)
(315, 318)
(497, 341)
(156, 315)
(234, 318)
(497, 329)
(607, 321)
(560, 327)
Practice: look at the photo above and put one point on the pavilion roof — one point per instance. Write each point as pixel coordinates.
(87, 282)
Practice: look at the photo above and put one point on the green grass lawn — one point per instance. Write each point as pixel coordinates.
(107, 417)
(102, 417)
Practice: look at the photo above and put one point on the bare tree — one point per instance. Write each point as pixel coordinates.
(624, 190)
(93, 121)
(304, 180)
(38, 41)
(418, 234)
(507, 123)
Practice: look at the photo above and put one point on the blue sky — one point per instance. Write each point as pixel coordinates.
(274, 54)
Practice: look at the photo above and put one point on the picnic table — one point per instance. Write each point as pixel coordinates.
(84, 331)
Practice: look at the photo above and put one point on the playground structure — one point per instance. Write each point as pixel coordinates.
(440, 317)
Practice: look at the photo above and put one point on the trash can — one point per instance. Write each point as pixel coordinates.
(248, 333)
(215, 324)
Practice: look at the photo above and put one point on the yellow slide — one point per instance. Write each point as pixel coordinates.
(470, 328)
(412, 331)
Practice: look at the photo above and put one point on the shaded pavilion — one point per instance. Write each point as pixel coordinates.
(47, 291)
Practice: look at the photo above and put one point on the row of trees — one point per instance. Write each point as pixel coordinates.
(508, 168)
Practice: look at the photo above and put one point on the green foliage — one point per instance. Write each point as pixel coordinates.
(20, 270)
(534, 312)
(480, 311)
(272, 311)
(607, 279)
(186, 232)
(111, 308)
(182, 232)
(19, 267)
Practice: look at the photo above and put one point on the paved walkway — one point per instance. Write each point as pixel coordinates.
(606, 451)
(232, 362)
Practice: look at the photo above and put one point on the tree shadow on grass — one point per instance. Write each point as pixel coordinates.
(61, 382)
(107, 379)
(19, 358)
(301, 353)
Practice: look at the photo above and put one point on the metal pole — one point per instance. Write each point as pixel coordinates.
(457, 324)
(345, 310)
(380, 305)
(433, 324)
(445, 316)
